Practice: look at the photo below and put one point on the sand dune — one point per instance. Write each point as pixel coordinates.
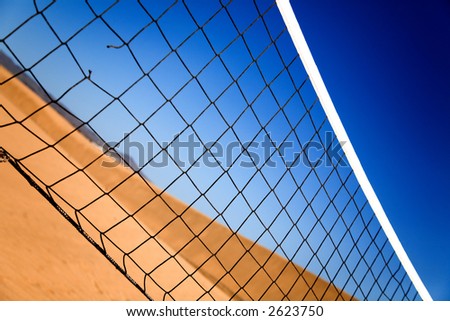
(170, 249)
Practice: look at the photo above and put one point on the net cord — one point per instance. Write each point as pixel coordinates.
(312, 70)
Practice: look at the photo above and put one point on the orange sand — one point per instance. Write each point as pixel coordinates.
(43, 257)
(177, 239)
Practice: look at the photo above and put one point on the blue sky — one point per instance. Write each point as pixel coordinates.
(386, 65)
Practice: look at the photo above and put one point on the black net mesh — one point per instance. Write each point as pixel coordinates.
(184, 140)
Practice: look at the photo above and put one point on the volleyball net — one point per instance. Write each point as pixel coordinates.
(193, 144)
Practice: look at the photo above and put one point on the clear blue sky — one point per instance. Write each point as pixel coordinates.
(386, 65)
